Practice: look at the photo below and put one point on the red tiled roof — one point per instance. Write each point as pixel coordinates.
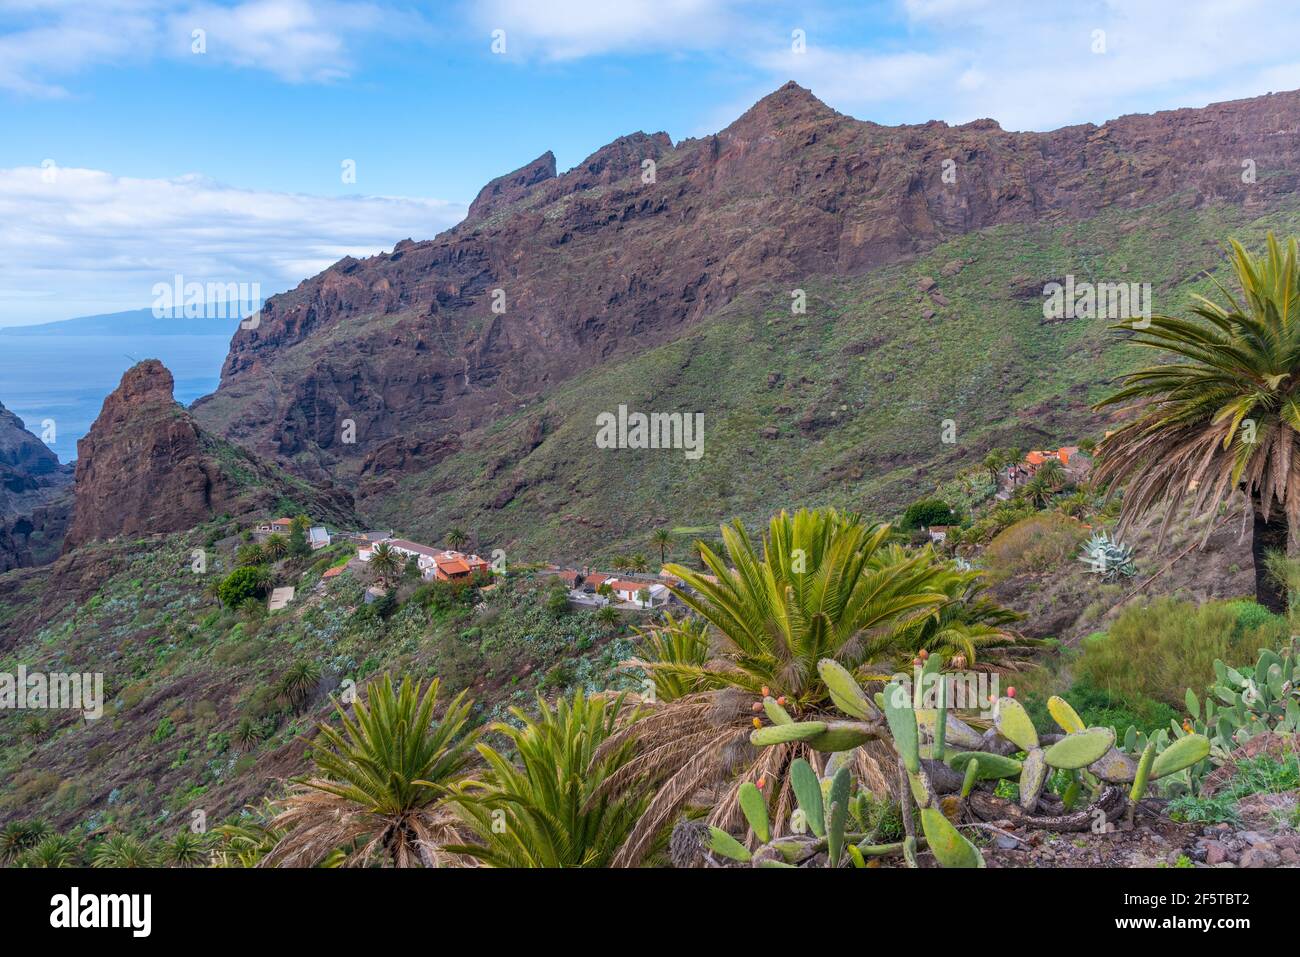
(334, 572)
(628, 586)
(597, 578)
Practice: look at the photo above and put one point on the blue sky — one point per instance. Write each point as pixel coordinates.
(126, 157)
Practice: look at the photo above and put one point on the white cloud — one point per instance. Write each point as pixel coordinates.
(569, 29)
(44, 42)
(91, 242)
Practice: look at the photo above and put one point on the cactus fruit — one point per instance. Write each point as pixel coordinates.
(1014, 724)
(775, 713)
(754, 807)
(947, 844)
(1064, 715)
(1080, 749)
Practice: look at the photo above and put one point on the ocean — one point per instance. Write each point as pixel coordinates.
(65, 378)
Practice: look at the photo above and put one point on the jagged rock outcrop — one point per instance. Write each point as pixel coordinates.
(146, 467)
(552, 275)
(35, 496)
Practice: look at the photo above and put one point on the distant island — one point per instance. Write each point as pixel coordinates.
(133, 322)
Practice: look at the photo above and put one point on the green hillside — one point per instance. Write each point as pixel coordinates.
(857, 389)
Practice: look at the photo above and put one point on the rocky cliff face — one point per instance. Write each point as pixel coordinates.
(146, 467)
(551, 275)
(34, 496)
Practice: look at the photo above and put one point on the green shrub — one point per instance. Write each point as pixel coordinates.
(1161, 649)
(927, 512)
(243, 583)
(1034, 544)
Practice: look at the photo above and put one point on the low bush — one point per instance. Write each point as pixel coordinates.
(1161, 649)
(1034, 544)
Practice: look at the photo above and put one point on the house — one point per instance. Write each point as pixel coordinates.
(593, 580)
(281, 525)
(318, 537)
(370, 538)
(331, 574)
(455, 566)
(630, 591)
(570, 576)
(442, 564)
(280, 598)
(939, 533)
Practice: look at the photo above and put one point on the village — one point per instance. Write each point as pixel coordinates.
(381, 557)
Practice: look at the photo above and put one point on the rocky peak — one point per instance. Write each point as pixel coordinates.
(34, 502)
(512, 187)
(146, 467)
(22, 451)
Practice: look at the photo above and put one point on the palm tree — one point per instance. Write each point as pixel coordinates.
(553, 805)
(298, 682)
(1038, 490)
(639, 563)
(20, 836)
(122, 850)
(607, 616)
(275, 547)
(383, 787)
(386, 563)
(57, 850)
(1222, 417)
(456, 538)
(663, 539)
(994, 462)
(813, 593)
(186, 849)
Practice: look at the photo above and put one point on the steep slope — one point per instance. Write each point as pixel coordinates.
(146, 467)
(34, 496)
(842, 405)
(390, 360)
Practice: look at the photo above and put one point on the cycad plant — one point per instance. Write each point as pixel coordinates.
(682, 641)
(540, 806)
(382, 786)
(811, 590)
(1221, 416)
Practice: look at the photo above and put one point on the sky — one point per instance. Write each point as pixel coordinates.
(260, 141)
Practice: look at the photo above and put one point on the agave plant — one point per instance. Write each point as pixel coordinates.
(812, 592)
(1223, 416)
(543, 809)
(383, 786)
(1110, 559)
